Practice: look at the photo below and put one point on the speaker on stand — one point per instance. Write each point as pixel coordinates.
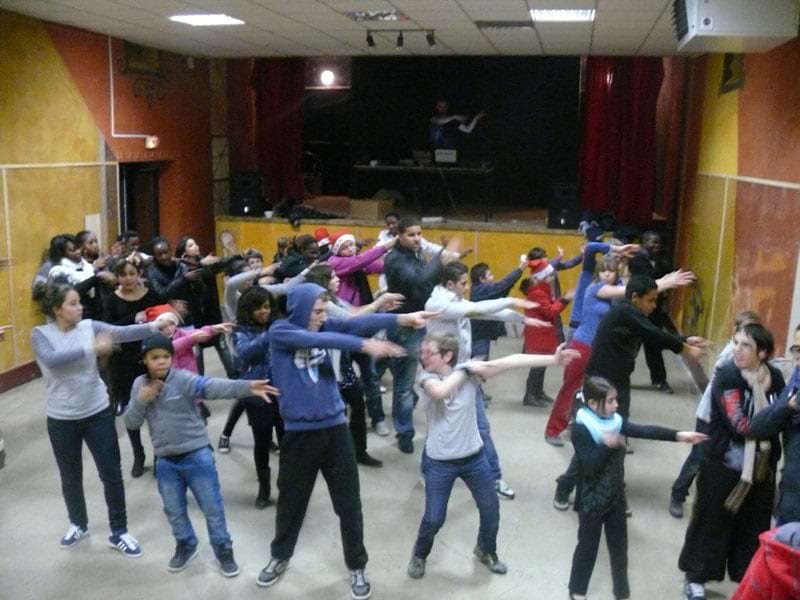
(563, 209)
(247, 198)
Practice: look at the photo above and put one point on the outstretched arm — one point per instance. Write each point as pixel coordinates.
(494, 367)
(440, 389)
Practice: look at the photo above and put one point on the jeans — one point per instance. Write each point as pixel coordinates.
(197, 472)
(439, 478)
(372, 386)
(303, 455)
(480, 348)
(589, 529)
(486, 436)
(404, 372)
(100, 435)
(691, 466)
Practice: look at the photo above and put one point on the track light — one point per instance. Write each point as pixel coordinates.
(431, 39)
(400, 40)
(370, 40)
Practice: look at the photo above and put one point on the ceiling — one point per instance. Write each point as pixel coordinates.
(322, 28)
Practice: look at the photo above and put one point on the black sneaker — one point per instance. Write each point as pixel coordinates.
(406, 445)
(183, 554)
(494, 564)
(224, 444)
(226, 561)
(533, 401)
(365, 459)
(360, 589)
(664, 387)
(272, 572)
(676, 508)
(416, 567)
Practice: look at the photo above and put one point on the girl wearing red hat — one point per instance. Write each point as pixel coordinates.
(351, 268)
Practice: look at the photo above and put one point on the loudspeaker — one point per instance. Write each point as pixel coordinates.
(563, 209)
(246, 197)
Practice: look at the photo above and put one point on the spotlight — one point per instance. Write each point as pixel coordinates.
(370, 40)
(431, 39)
(400, 40)
(327, 77)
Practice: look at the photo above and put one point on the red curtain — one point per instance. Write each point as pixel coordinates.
(280, 85)
(618, 149)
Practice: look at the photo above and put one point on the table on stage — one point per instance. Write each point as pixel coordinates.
(484, 173)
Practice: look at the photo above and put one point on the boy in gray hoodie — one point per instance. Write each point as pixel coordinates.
(169, 399)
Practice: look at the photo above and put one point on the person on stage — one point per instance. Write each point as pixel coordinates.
(446, 129)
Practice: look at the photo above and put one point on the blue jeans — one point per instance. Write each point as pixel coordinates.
(404, 372)
(480, 349)
(439, 478)
(486, 436)
(197, 472)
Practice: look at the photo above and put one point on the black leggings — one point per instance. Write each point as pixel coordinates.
(583, 560)
(261, 438)
(239, 407)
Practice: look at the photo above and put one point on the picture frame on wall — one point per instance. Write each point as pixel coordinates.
(141, 60)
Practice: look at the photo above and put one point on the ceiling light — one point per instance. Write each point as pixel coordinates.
(431, 39)
(376, 15)
(327, 77)
(370, 40)
(400, 40)
(206, 20)
(562, 16)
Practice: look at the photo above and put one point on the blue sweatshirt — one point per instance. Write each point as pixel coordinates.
(301, 364)
(585, 278)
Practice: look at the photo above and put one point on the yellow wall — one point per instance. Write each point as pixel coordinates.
(719, 146)
(43, 119)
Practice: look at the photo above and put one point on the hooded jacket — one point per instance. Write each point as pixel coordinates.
(301, 364)
(773, 571)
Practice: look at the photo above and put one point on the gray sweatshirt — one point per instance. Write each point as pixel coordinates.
(173, 418)
(69, 365)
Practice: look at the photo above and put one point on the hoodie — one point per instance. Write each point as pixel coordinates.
(773, 571)
(301, 364)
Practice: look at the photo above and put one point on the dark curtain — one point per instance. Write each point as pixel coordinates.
(280, 85)
(669, 135)
(618, 146)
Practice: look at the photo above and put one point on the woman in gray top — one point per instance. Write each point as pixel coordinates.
(66, 350)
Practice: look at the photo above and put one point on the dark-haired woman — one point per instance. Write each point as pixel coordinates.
(599, 440)
(251, 344)
(66, 350)
(70, 268)
(126, 306)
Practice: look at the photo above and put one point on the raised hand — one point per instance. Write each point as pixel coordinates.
(559, 253)
(222, 328)
(381, 348)
(691, 437)
(209, 260)
(523, 261)
(565, 355)
(418, 319)
(699, 342)
(389, 301)
(262, 389)
(150, 390)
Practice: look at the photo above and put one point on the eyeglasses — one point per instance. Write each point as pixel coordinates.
(795, 351)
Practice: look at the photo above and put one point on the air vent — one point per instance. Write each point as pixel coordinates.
(679, 19)
(504, 24)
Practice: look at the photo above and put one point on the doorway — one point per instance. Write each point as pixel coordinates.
(138, 210)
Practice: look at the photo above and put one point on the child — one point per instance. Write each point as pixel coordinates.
(183, 340)
(558, 264)
(166, 398)
(541, 340)
(454, 448)
(599, 440)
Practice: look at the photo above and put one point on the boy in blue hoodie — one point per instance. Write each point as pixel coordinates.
(316, 437)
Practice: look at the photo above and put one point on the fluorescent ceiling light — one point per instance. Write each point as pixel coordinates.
(562, 15)
(206, 20)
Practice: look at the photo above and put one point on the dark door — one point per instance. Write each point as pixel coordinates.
(139, 199)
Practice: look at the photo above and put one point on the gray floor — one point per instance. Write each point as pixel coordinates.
(535, 540)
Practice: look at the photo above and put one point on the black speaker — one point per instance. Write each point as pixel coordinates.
(563, 209)
(247, 199)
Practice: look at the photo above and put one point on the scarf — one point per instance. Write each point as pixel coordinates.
(756, 453)
(598, 426)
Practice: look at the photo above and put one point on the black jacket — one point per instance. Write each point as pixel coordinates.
(408, 274)
(618, 339)
(483, 329)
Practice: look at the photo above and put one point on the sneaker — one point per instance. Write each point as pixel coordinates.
(533, 401)
(694, 591)
(365, 459)
(74, 535)
(560, 503)
(183, 554)
(676, 508)
(664, 387)
(381, 428)
(224, 444)
(494, 564)
(416, 567)
(226, 562)
(554, 440)
(360, 589)
(406, 445)
(126, 544)
(546, 399)
(272, 572)
(503, 490)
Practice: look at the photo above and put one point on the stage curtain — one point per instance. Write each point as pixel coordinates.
(669, 135)
(618, 145)
(279, 84)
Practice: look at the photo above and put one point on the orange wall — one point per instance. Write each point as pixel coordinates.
(181, 119)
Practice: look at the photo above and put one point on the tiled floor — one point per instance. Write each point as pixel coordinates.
(535, 540)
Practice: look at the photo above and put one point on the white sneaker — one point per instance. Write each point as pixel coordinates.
(384, 389)
(503, 490)
(74, 535)
(381, 428)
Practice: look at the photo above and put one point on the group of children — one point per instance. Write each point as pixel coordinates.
(294, 374)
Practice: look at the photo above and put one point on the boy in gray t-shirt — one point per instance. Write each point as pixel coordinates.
(453, 448)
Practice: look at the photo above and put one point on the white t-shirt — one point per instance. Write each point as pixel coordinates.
(452, 423)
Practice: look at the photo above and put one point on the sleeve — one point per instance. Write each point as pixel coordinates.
(233, 289)
(507, 315)
(251, 349)
(216, 388)
(51, 358)
(136, 410)
(655, 335)
(363, 326)
(548, 308)
(648, 432)
(294, 338)
(591, 456)
(84, 286)
(589, 258)
(181, 343)
(772, 420)
(345, 265)
(166, 289)
(128, 333)
(501, 288)
(452, 311)
(112, 317)
(563, 265)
